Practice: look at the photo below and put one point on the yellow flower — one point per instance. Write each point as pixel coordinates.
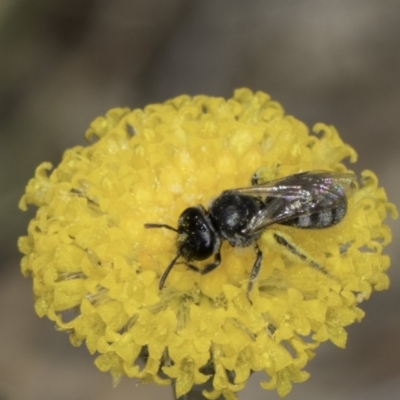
(96, 270)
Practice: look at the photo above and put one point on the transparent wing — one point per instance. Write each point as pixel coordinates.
(297, 195)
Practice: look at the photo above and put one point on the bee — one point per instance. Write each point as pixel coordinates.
(307, 200)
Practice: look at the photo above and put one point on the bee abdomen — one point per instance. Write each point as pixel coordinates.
(321, 219)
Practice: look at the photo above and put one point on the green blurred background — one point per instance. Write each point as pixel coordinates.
(64, 62)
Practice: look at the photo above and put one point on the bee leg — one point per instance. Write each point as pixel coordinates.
(295, 251)
(254, 179)
(209, 267)
(254, 271)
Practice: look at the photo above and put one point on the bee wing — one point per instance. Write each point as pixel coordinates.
(297, 195)
(301, 185)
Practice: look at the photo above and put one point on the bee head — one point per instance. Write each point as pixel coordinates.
(197, 239)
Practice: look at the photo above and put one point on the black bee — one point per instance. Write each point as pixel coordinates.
(308, 200)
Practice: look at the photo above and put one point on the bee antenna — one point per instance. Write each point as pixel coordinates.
(167, 271)
(149, 226)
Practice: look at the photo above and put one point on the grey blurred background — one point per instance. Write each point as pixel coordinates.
(64, 62)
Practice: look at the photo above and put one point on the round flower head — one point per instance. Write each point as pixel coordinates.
(96, 269)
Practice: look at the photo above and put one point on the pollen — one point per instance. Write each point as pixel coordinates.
(87, 250)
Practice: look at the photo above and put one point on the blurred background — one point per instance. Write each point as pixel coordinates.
(65, 62)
